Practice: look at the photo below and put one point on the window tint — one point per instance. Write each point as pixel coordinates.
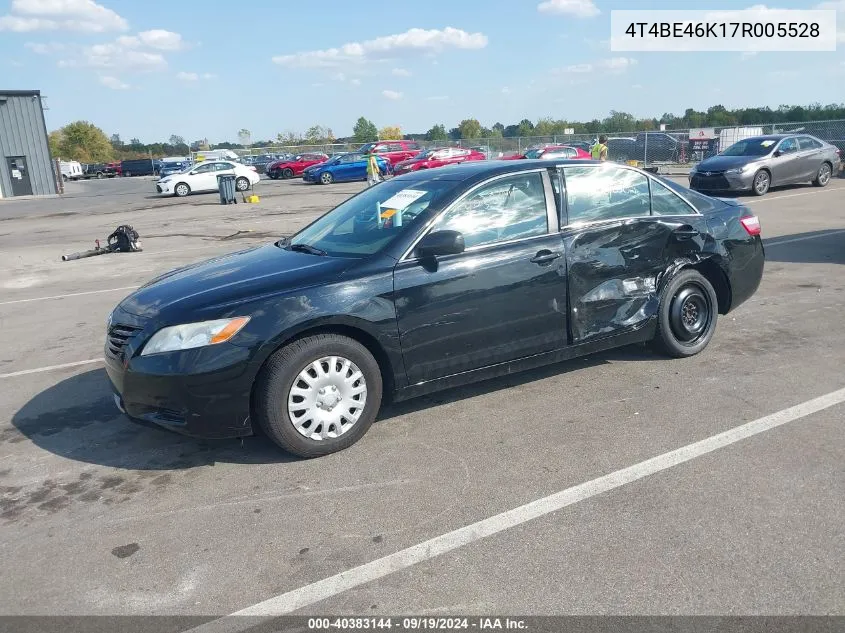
(203, 169)
(223, 166)
(805, 142)
(412, 145)
(666, 202)
(505, 209)
(351, 158)
(395, 147)
(604, 193)
(788, 146)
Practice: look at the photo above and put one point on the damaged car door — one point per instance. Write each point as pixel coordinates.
(621, 233)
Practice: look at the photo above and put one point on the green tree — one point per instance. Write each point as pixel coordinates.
(436, 133)
(288, 138)
(525, 128)
(177, 140)
(82, 141)
(470, 128)
(315, 135)
(244, 137)
(365, 131)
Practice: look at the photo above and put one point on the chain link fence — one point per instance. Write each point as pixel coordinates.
(668, 147)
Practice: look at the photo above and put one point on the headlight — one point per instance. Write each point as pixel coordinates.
(193, 335)
(738, 170)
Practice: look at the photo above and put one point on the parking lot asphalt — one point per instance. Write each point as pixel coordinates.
(100, 516)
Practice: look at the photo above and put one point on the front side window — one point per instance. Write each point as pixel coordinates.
(605, 193)
(788, 146)
(204, 169)
(370, 221)
(506, 209)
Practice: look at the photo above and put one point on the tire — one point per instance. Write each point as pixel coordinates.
(687, 315)
(181, 190)
(326, 178)
(761, 183)
(273, 175)
(275, 403)
(287, 173)
(823, 176)
(242, 184)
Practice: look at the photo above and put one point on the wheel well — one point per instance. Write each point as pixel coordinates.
(717, 278)
(365, 339)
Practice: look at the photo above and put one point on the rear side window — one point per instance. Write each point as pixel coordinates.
(412, 145)
(667, 202)
(805, 142)
(605, 193)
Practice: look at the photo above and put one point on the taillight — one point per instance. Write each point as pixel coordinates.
(751, 223)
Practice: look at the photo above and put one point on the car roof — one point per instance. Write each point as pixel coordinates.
(480, 170)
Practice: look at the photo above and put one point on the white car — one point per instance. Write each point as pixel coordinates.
(203, 177)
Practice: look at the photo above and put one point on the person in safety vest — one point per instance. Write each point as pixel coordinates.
(599, 150)
(373, 170)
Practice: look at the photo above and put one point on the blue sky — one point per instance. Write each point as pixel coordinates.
(206, 69)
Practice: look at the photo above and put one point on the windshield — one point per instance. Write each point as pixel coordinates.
(751, 147)
(366, 148)
(368, 222)
(534, 153)
(426, 153)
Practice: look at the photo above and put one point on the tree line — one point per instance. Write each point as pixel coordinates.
(85, 142)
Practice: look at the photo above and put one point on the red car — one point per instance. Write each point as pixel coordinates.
(392, 151)
(437, 157)
(552, 151)
(295, 167)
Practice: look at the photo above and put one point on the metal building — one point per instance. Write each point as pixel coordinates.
(26, 166)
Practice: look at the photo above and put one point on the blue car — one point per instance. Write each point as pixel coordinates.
(343, 168)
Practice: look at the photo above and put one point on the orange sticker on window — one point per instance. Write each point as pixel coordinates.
(388, 213)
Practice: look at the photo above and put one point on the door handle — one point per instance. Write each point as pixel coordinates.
(545, 257)
(685, 232)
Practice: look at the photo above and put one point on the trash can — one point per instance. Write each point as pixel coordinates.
(226, 187)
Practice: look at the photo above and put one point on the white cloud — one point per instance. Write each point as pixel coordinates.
(209, 76)
(577, 8)
(67, 15)
(143, 61)
(839, 7)
(114, 83)
(162, 40)
(183, 76)
(506, 90)
(401, 72)
(43, 48)
(387, 47)
(391, 94)
(355, 82)
(610, 65)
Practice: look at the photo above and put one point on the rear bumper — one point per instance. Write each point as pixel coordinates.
(201, 393)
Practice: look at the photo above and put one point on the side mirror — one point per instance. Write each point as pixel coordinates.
(777, 153)
(440, 243)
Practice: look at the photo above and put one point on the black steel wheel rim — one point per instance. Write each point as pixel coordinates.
(690, 314)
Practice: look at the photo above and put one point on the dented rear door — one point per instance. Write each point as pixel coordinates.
(616, 250)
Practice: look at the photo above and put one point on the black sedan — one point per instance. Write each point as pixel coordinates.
(426, 281)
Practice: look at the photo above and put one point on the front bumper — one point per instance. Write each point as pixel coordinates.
(203, 392)
(164, 188)
(309, 176)
(721, 181)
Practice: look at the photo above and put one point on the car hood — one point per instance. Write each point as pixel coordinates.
(720, 163)
(408, 162)
(235, 278)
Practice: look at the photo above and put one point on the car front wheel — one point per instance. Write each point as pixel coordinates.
(318, 395)
(287, 173)
(326, 178)
(181, 190)
(687, 315)
(761, 183)
(242, 184)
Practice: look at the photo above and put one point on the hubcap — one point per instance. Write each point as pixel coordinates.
(181, 190)
(762, 182)
(327, 398)
(824, 174)
(326, 178)
(690, 314)
(243, 185)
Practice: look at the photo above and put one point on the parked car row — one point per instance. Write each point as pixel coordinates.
(202, 177)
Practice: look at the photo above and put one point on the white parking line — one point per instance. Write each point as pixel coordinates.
(381, 567)
(70, 294)
(801, 239)
(793, 195)
(38, 370)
